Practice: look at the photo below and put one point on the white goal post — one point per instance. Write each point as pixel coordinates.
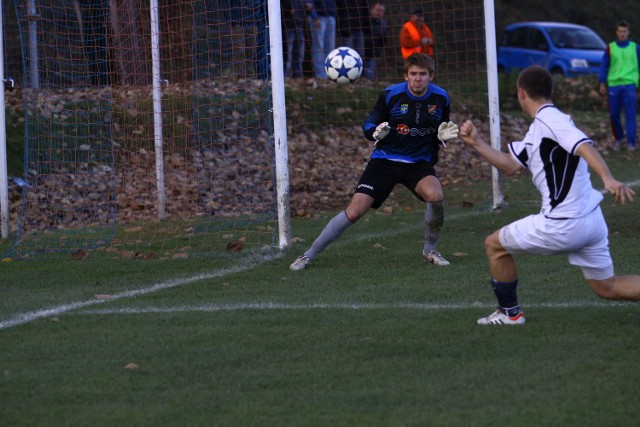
(493, 98)
(279, 125)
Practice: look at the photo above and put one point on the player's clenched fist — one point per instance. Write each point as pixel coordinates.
(468, 132)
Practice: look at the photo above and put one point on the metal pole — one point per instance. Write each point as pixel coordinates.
(32, 17)
(4, 180)
(493, 96)
(157, 110)
(279, 124)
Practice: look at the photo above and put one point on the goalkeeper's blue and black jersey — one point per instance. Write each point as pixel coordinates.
(413, 120)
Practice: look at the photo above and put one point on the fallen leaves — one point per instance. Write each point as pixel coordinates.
(235, 246)
(324, 164)
(79, 255)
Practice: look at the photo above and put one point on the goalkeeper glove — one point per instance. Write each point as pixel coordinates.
(381, 131)
(447, 131)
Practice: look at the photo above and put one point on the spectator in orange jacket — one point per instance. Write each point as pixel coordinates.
(415, 36)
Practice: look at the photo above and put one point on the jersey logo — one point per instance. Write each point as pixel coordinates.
(432, 108)
(402, 129)
(404, 108)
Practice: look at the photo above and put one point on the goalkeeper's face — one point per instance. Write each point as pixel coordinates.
(418, 79)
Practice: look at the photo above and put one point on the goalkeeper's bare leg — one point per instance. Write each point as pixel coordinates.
(359, 205)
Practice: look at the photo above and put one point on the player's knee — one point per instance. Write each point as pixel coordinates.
(492, 245)
(433, 195)
(354, 214)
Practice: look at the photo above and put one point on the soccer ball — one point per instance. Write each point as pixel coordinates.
(343, 65)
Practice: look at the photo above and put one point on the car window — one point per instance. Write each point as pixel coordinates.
(575, 38)
(586, 39)
(562, 38)
(516, 38)
(538, 40)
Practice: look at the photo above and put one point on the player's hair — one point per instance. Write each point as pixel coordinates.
(536, 81)
(623, 24)
(420, 60)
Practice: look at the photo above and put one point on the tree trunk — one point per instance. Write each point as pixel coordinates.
(130, 52)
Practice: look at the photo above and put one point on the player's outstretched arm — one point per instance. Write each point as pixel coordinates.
(503, 161)
(621, 192)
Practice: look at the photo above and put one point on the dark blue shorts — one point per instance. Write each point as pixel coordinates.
(381, 176)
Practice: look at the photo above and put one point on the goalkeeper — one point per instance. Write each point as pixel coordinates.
(407, 125)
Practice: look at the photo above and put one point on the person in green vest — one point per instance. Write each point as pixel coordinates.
(618, 77)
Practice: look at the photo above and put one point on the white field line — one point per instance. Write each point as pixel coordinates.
(27, 317)
(23, 318)
(260, 306)
(254, 261)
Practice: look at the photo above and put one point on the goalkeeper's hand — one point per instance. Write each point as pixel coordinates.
(447, 132)
(381, 131)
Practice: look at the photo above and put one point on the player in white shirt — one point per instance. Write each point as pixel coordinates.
(570, 222)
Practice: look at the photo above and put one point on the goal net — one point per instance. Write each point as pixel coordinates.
(179, 161)
(92, 147)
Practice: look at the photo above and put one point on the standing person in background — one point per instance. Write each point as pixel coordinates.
(248, 32)
(415, 36)
(294, 13)
(407, 125)
(375, 40)
(353, 23)
(619, 75)
(323, 34)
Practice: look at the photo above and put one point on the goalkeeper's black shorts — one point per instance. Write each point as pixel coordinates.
(381, 176)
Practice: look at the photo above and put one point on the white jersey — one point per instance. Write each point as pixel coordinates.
(561, 177)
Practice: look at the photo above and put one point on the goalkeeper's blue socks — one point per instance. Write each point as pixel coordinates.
(507, 296)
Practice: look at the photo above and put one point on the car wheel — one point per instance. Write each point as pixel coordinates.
(557, 71)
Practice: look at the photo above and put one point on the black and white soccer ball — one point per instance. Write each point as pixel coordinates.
(343, 65)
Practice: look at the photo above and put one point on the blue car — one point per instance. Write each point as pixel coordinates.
(565, 49)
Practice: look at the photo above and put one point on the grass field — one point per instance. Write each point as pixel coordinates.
(367, 336)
